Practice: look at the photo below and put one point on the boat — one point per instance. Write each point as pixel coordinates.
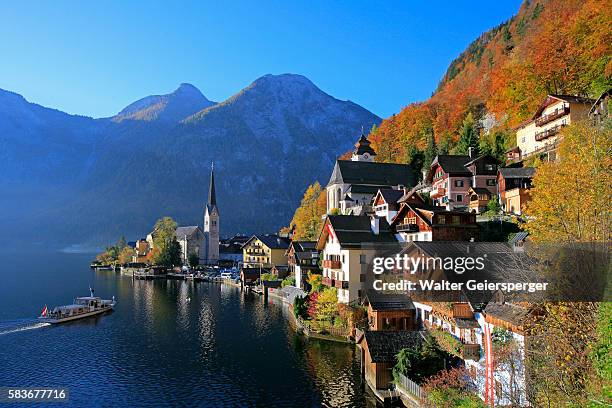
(81, 308)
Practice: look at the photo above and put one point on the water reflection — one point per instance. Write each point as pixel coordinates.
(224, 347)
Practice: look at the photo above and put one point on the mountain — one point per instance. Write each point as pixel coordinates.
(117, 175)
(184, 101)
(549, 46)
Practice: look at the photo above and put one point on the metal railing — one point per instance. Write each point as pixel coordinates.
(408, 228)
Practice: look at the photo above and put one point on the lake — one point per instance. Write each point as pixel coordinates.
(168, 343)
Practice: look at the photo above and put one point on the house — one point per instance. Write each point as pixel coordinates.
(420, 222)
(378, 354)
(302, 258)
(386, 202)
(601, 108)
(265, 250)
(538, 135)
(354, 182)
(514, 184)
(472, 317)
(451, 177)
(142, 251)
(230, 249)
(346, 242)
(479, 199)
(390, 312)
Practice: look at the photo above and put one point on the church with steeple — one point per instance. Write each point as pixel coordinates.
(354, 182)
(211, 223)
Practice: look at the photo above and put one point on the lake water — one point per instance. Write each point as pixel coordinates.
(221, 348)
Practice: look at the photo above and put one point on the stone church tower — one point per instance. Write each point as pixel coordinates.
(211, 222)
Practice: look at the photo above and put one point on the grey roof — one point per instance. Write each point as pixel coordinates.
(384, 345)
(507, 312)
(391, 195)
(188, 231)
(382, 301)
(364, 189)
(303, 246)
(517, 172)
(370, 173)
(481, 157)
(453, 163)
(519, 236)
(354, 230)
(573, 98)
(272, 241)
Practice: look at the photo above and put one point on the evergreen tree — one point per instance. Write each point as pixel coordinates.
(430, 150)
(468, 135)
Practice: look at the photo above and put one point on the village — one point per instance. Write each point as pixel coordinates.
(327, 283)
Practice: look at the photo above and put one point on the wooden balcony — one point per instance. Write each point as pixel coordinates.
(407, 228)
(341, 284)
(470, 352)
(462, 311)
(328, 263)
(545, 134)
(437, 192)
(542, 120)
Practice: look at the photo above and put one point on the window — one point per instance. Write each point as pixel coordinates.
(523, 139)
(459, 198)
(456, 219)
(362, 259)
(490, 167)
(412, 220)
(441, 219)
(490, 182)
(458, 183)
(343, 258)
(362, 277)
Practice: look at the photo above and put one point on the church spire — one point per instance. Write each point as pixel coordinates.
(363, 151)
(212, 197)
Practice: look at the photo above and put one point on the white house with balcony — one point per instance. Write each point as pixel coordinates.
(538, 135)
(346, 242)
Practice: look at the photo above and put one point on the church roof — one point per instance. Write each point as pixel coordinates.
(363, 146)
(371, 173)
(188, 231)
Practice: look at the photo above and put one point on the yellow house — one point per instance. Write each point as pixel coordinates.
(265, 250)
(539, 134)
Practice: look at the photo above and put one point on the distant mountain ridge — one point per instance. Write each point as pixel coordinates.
(184, 101)
(69, 179)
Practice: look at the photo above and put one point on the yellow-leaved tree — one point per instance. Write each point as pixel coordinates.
(307, 218)
(571, 197)
(569, 357)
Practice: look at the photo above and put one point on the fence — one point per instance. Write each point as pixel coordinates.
(331, 330)
(411, 387)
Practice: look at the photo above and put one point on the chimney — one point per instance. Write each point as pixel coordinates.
(375, 225)
(424, 175)
(471, 152)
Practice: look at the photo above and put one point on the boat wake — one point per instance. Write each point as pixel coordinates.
(19, 326)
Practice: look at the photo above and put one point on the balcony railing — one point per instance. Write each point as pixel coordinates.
(407, 228)
(437, 192)
(548, 132)
(341, 284)
(328, 263)
(470, 351)
(542, 120)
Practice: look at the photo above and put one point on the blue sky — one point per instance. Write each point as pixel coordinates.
(94, 58)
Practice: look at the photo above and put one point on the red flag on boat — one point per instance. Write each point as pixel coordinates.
(43, 313)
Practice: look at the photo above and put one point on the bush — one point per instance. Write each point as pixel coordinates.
(288, 281)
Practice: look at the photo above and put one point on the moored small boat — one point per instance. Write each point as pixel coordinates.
(81, 308)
